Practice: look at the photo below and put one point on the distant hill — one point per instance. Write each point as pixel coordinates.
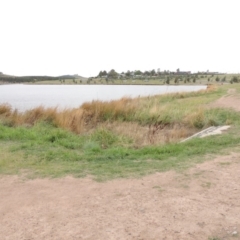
(21, 79)
(75, 76)
(5, 75)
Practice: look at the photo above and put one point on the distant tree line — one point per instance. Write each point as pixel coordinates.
(151, 73)
(112, 74)
(10, 79)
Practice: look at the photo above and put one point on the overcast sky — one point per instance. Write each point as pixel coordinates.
(55, 37)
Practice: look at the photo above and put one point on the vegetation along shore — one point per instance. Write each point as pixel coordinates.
(136, 77)
(122, 138)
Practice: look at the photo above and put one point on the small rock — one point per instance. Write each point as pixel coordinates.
(234, 233)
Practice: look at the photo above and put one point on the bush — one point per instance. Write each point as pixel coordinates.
(235, 79)
(104, 137)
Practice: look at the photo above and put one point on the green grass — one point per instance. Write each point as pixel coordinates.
(214, 238)
(45, 150)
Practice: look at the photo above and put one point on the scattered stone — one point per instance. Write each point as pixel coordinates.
(234, 233)
(208, 132)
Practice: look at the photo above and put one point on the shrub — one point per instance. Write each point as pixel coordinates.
(235, 79)
(104, 137)
(196, 119)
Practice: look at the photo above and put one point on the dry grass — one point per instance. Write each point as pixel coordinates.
(89, 114)
(143, 135)
(5, 109)
(72, 120)
(196, 119)
(149, 120)
(98, 111)
(40, 113)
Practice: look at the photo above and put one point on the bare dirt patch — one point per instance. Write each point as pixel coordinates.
(200, 203)
(231, 100)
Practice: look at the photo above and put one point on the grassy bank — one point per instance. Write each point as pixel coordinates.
(172, 79)
(128, 137)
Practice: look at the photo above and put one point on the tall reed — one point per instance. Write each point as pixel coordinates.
(155, 113)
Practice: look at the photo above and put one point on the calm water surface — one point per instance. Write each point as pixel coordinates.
(23, 97)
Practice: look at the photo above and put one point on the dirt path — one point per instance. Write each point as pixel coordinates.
(197, 204)
(231, 100)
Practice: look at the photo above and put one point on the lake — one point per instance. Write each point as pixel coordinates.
(23, 97)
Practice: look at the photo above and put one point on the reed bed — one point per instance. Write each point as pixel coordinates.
(147, 120)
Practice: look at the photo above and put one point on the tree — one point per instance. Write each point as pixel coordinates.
(235, 79)
(128, 73)
(217, 79)
(113, 74)
(138, 72)
(153, 72)
(100, 74)
(146, 73)
(168, 80)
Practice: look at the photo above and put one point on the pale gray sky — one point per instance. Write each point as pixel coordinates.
(55, 37)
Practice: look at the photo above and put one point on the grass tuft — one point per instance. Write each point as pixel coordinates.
(5, 109)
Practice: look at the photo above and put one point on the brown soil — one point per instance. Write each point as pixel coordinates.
(200, 203)
(231, 100)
